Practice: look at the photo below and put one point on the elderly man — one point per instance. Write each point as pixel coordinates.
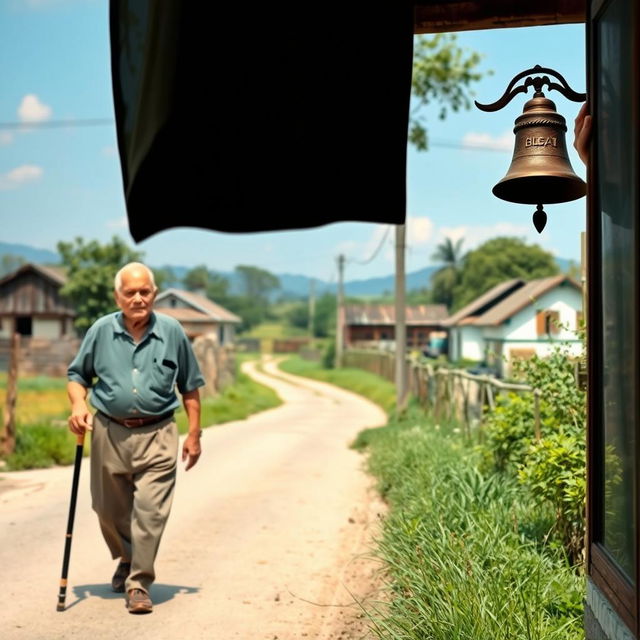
(138, 357)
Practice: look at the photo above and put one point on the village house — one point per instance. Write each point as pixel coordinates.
(517, 319)
(198, 315)
(31, 304)
(373, 325)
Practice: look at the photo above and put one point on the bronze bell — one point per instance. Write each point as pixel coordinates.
(540, 171)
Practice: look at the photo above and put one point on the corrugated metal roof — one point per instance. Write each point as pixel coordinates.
(201, 303)
(385, 314)
(521, 298)
(483, 300)
(505, 300)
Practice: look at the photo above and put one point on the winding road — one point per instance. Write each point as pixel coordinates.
(265, 538)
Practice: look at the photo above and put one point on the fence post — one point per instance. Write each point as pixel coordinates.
(8, 436)
(536, 413)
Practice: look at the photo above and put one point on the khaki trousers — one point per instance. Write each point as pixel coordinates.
(133, 474)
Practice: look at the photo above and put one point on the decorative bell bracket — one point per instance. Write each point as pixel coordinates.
(540, 170)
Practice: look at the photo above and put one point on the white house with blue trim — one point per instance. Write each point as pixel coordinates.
(516, 319)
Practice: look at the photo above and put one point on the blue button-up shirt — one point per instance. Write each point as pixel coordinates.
(135, 380)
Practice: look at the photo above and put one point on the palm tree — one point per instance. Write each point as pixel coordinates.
(449, 254)
(445, 279)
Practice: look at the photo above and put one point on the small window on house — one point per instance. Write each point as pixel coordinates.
(173, 303)
(548, 322)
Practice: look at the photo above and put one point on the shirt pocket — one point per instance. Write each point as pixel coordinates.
(164, 373)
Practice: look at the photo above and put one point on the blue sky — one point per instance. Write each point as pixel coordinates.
(58, 183)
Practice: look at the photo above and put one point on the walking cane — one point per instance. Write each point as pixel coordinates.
(72, 512)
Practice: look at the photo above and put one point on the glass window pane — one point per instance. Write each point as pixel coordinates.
(619, 286)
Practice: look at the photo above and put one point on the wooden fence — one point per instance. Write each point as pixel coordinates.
(445, 394)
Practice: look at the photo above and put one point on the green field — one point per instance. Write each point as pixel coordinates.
(42, 408)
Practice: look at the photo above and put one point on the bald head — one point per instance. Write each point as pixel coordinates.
(134, 269)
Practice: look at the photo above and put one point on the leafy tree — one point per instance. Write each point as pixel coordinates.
(163, 277)
(497, 260)
(218, 288)
(442, 74)
(325, 319)
(197, 278)
(257, 283)
(445, 280)
(91, 268)
(215, 286)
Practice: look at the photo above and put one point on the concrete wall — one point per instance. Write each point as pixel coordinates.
(565, 300)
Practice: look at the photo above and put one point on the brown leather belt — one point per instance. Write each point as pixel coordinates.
(145, 421)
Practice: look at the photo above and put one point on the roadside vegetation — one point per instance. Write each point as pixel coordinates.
(43, 439)
(483, 539)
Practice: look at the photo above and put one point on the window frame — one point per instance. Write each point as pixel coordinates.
(601, 567)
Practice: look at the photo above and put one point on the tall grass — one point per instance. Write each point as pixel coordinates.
(464, 552)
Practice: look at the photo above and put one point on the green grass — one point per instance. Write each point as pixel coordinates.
(271, 330)
(464, 552)
(41, 400)
(43, 445)
(366, 384)
(36, 383)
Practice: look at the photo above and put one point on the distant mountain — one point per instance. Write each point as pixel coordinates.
(30, 254)
(292, 285)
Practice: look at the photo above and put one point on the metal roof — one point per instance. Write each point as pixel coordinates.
(488, 298)
(493, 307)
(385, 314)
(201, 303)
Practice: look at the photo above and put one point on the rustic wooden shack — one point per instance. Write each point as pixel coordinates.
(31, 304)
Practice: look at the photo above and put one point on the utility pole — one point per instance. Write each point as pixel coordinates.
(312, 306)
(340, 312)
(401, 322)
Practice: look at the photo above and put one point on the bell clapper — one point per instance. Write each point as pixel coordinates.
(539, 218)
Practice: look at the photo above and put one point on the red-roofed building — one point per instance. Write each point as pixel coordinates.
(368, 325)
(198, 315)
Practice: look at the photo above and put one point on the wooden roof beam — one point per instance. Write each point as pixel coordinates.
(432, 16)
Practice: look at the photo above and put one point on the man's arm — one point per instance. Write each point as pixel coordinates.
(81, 419)
(191, 448)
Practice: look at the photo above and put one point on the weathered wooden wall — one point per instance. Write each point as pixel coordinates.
(40, 356)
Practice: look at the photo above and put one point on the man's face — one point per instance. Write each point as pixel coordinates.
(136, 295)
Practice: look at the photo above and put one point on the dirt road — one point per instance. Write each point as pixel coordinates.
(260, 543)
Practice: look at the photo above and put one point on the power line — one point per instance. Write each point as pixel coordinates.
(57, 124)
(99, 122)
(377, 250)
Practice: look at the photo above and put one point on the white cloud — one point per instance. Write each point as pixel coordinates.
(31, 109)
(503, 142)
(5, 138)
(475, 235)
(20, 176)
(119, 223)
(419, 231)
